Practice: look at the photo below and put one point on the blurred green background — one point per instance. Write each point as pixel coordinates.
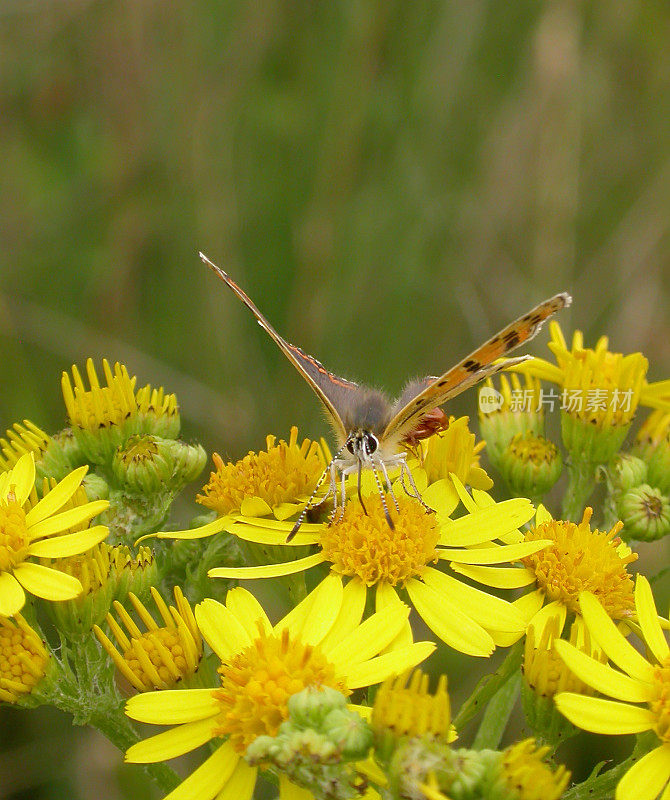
(391, 182)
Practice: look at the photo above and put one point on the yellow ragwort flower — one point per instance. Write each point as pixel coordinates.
(41, 530)
(104, 417)
(600, 385)
(162, 656)
(526, 776)
(453, 451)
(24, 659)
(22, 439)
(361, 547)
(580, 559)
(640, 688)
(321, 642)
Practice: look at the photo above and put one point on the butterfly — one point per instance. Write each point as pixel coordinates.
(372, 429)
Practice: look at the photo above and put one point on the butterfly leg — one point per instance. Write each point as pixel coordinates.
(415, 493)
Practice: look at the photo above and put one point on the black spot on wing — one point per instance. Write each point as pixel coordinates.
(471, 365)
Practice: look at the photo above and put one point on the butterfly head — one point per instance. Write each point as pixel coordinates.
(362, 444)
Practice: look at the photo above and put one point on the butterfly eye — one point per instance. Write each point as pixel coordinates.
(371, 443)
(351, 446)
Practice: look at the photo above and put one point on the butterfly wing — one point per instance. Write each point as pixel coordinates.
(412, 404)
(329, 388)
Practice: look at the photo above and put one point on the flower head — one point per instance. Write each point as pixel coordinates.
(530, 465)
(322, 642)
(404, 706)
(581, 559)
(639, 685)
(652, 444)
(22, 439)
(162, 656)
(275, 481)
(24, 660)
(645, 512)
(527, 777)
(362, 547)
(103, 417)
(454, 451)
(31, 528)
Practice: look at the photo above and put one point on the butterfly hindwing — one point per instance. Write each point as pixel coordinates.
(475, 367)
(329, 388)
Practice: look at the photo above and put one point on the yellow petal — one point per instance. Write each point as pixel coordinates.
(602, 677)
(289, 791)
(385, 596)
(494, 555)
(269, 570)
(175, 742)
(254, 507)
(606, 634)
(648, 619)
(21, 477)
(324, 611)
(271, 531)
(645, 779)
(442, 497)
(603, 716)
(57, 497)
(173, 706)
(542, 515)
(449, 622)
(396, 662)
(47, 583)
(67, 519)
(485, 524)
(241, 784)
(215, 526)
(354, 596)
(498, 577)
(285, 510)
(247, 610)
(370, 637)
(70, 544)
(492, 613)
(12, 596)
(221, 629)
(208, 780)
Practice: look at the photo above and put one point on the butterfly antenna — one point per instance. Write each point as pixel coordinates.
(390, 485)
(381, 497)
(360, 498)
(310, 503)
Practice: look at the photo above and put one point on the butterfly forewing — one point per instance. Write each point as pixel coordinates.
(329, 388)
(475, 367)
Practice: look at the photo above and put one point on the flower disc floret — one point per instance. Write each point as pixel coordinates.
(257, 683)
(583, 560)
(363, 544)
(23, 659)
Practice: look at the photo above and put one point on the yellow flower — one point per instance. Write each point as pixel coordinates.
(31, 531)
(454, 451)
(24, 660)
(164, 655)
(526, 777)
(640, 688)
(104, 417)
(362, 547)
(580, 559)
(22, 439)
(321, 642)
(277, 481)
(620, 380)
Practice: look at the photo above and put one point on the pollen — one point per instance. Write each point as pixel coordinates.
(660, 705)
(580, 560)
(14, 539)
(23, 658)
(256, 685)
(283, 473)
(363, 544)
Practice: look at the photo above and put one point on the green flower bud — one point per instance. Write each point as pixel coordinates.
(626, 472)
(310, 707)
(150, 464)
(513, 410)
(530, 465)
(589, 442)
(645, 512)
(352, 735)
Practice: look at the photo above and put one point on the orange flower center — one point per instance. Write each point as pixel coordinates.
(257, 683)
(364, 545)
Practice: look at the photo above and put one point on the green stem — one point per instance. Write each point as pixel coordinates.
(581, 483)
(114, 724)
(497, 714)
(489, 685)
